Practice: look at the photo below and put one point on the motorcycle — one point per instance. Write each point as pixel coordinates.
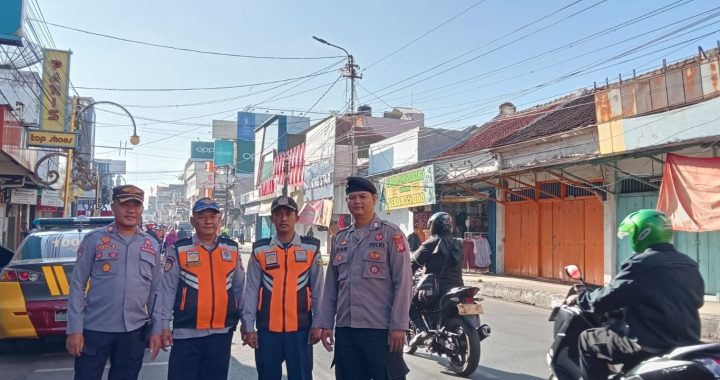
(454, 329)
(698, 362)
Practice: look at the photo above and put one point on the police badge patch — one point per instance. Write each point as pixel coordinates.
(226, 255)
(169, 261)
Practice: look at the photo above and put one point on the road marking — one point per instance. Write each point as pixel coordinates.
(60, 273)
(50, 279)
(48, 370)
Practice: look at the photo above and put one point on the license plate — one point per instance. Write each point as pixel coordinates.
(469, 309)
(61, 316)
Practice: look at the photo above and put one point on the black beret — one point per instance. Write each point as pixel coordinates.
(359, 184)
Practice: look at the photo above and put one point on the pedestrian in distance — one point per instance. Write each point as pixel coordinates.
(117, 315)
(414, 239)
(367, 292)
(202, 291)
(282, 297)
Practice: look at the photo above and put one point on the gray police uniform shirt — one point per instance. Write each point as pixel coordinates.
(170, 282)
(125, 274)
(254, 281)
(369, 281)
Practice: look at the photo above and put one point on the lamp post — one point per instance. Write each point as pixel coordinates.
(350, 72)
(134, 139)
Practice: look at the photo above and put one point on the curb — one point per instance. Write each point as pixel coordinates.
(710, 323)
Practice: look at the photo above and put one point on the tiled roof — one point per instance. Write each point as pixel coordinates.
(576, 113)
(500, 128)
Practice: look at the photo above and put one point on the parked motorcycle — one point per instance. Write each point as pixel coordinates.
(454, 329)
(697, 362)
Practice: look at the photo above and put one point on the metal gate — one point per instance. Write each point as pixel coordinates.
(703, 247)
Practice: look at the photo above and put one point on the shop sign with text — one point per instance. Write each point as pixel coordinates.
(56, 77)
(409, 189)
(52, 139)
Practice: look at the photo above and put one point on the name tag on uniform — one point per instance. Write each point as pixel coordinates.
(227, 256)
(193, 258)
(301, 256)
(271, 259)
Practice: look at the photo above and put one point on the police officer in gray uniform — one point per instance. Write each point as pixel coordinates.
(368, 288)
(122, 264)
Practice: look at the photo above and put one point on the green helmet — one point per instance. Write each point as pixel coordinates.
(645, 228)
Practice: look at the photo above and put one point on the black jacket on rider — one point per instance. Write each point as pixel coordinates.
(441, 255)
(661, 291)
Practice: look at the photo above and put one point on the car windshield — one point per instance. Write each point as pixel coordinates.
(51, 245)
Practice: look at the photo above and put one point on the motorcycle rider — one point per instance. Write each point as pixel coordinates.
(660, 291)
(441, 255)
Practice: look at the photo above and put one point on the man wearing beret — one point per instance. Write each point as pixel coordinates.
(114, 318)
(202, 297)
(367, 292)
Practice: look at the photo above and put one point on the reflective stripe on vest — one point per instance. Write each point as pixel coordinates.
(206, 287)
(284, 304)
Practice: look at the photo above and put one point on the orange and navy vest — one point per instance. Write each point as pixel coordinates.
(284, 302)
(204, 298)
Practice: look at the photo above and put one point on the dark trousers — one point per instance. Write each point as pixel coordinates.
(125, 351)
(362, 354)
(602, 346)
(292, 348)
(206, 358)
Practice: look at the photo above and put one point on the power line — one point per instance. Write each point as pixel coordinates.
(198, 88)
(424, 34)
(182, 48)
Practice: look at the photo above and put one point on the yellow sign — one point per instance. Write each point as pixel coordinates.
(52, 139)
(56, 78)
(409, 189)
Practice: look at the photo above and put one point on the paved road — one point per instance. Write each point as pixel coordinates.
(516, 350)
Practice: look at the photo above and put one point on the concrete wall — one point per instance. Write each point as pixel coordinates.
(571, 144)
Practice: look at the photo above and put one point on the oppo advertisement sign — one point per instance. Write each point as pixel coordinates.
(202, 150)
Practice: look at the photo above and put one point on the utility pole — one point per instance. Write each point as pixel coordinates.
(350, 71)
(227, 193)
(286, 168)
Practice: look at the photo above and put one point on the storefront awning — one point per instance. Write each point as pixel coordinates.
(316, 213)
(690, 194)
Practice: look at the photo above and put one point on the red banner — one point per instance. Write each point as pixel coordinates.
(316, 213)
(690, 193)
(295, 158)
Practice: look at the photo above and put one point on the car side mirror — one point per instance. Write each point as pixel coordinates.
(574, 272)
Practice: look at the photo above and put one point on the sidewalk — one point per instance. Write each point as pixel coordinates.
(548, 294)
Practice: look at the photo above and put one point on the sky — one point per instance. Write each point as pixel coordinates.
(456, 61)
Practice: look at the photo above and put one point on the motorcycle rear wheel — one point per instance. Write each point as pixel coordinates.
(408, 337)
(465, 361)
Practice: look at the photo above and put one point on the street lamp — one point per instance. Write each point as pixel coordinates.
(350, 70)
(134, 139)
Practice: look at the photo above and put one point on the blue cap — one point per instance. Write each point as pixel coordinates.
(203, 204)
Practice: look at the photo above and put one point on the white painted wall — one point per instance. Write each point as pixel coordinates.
(394, 152)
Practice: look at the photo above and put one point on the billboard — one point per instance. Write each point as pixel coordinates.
(202, 150)
(224, 129)
(11, 22)
(245, 157)
(247, 122)
(224, 153)
(56, 79)
(409, 189)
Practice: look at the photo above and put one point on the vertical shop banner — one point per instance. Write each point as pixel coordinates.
(224, 153)
(11, 22)
(408, 189)
(245, 157)
(690, 193)
(202, 150)
(56, 79)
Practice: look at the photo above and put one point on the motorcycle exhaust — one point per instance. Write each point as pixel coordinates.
(484, 331)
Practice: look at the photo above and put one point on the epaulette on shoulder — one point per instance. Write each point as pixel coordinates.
(310, 240)
(390, 224)
(228, 241)
(183, 242)
(261, 242)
